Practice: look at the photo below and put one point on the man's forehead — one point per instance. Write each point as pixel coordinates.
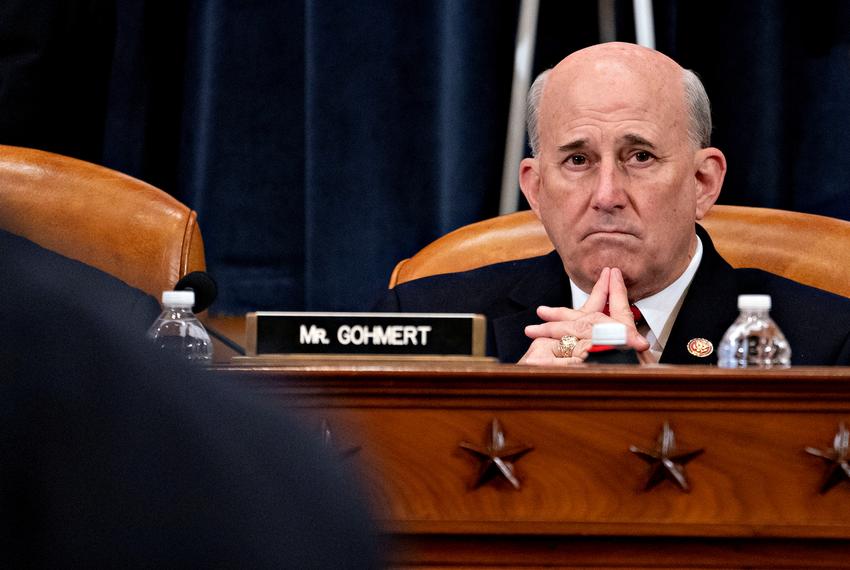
(610, 81)
(615, 86)
(617, 65)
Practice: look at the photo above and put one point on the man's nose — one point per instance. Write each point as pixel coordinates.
(609, 192)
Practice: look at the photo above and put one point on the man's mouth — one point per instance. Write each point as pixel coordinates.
(609, 232)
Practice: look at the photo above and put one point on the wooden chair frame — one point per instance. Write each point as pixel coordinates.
(111, 221)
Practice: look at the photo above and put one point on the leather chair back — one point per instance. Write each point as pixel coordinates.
(111, 221)
(810, 249)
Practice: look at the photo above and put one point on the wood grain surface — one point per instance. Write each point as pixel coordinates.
(754, 494)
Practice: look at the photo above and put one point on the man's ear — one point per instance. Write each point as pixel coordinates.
(710, 169)
(529, 182)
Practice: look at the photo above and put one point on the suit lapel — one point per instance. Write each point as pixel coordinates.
(547, 284)
(708, 309)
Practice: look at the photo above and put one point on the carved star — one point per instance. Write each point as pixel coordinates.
(495, 456)
(326, 436)
(837, 457)
(665, 461)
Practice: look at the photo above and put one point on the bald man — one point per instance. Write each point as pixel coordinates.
(621, 170)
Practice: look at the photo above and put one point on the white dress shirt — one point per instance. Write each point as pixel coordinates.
(658, 310)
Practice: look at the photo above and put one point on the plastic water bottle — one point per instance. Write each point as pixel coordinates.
(608, 345)
(754, 340)
(177, 330)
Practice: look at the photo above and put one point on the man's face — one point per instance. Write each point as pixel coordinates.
(614, 182)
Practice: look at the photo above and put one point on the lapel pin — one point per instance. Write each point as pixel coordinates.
(700, 347)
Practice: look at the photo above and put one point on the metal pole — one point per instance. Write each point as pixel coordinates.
(515, 139)
(644, 23)
(607, 21)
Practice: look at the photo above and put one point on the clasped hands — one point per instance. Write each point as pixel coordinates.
(559, 322)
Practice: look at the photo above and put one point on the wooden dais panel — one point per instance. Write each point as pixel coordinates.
(752, 495)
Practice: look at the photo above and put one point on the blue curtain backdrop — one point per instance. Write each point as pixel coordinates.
(323, 141)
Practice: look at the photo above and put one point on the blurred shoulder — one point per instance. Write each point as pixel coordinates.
(36, 275)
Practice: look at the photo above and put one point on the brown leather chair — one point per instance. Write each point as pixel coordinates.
(810, 249)
(101, 217)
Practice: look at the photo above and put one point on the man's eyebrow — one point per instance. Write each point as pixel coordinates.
(636, 140)
(574, 145)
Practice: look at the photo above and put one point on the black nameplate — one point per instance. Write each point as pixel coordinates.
(365, 333)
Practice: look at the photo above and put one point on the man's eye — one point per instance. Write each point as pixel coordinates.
(577, 160)
(643, 156)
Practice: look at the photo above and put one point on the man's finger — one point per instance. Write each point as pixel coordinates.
(620, 310)
(618, 299)
(557, 329)
(636, 340)
(581, 327)
(599, 295)
(550, 314)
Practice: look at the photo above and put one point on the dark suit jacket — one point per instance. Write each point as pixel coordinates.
(816, 323)
(61, 278)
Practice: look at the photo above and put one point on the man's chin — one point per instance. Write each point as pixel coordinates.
(610, 255)
(586, 276)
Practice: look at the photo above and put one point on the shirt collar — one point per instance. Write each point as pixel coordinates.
(659, 310)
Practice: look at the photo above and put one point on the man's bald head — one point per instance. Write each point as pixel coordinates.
(639, 60)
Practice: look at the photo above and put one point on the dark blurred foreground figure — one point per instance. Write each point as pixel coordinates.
(112, 455)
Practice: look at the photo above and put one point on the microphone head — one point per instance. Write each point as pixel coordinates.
(203, 285)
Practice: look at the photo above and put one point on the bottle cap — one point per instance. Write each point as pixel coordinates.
(178, 298)
(753, 302)
(613, 334)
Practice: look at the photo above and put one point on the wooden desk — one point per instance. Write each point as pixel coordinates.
(754, 498)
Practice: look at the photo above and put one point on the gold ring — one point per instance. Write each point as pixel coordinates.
(564, 348)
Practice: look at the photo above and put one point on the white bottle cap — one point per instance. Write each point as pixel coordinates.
(178, 298)
(753, 302)
(609, 334)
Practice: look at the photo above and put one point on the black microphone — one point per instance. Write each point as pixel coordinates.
(206, 290)
(204, 286)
